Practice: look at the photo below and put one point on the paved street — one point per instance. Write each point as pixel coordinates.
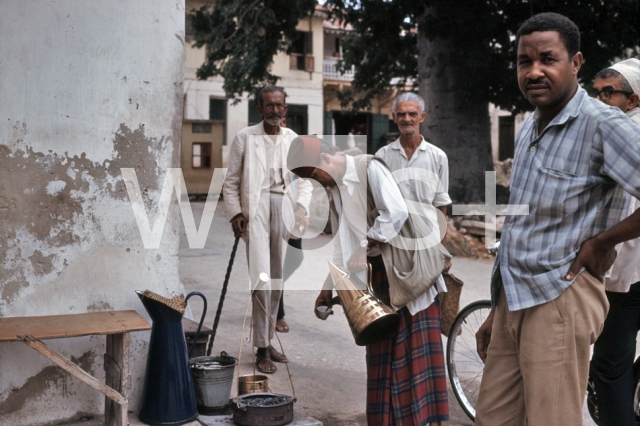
(327, 367)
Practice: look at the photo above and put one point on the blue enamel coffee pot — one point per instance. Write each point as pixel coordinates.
(168, 396)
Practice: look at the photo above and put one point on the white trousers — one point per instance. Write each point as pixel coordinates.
(266, 248)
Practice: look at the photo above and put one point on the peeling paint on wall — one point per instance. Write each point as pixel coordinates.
(84, 97)
(99, 306)
(42, 265)
(37, 386)
(53, 204)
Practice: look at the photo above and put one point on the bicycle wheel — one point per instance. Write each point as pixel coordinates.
(463, 363)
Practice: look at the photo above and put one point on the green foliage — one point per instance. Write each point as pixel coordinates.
(481, 35)
(242, 36)
(381, 47)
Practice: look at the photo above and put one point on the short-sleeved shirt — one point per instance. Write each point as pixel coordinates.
(572, 177)
(426, 157)
(424, 189)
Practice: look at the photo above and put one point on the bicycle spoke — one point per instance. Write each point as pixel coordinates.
(465, 367)
(467, 383)
(467, 346)
(472, 362)
(466, 356)
(473, 380)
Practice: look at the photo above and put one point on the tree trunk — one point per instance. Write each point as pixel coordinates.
(456, 124)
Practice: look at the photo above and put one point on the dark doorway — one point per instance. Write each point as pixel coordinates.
(345, 122)
(506, 137)
(297, 119)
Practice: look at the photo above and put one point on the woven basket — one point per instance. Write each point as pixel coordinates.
(450, 301)
(176, 303)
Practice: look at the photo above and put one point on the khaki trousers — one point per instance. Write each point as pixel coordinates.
(266, 248)
(538, 358)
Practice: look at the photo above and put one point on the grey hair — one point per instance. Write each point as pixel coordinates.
(408, 97)
(269, 89)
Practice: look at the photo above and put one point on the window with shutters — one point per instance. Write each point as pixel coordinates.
(297, 119)
(302, 51)
(217, 109)
(201, 155)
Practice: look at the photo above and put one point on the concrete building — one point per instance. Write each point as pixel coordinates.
(376, 123)
(301, 76)
(88, 88)
(504, 127)
(312, 80)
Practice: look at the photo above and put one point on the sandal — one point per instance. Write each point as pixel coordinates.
(262, 357)
(276, 356)
(282, 326)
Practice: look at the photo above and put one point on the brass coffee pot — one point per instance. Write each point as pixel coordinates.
(370, 320)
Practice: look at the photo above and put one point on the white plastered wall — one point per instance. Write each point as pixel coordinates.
(494, 115)
(88, 88)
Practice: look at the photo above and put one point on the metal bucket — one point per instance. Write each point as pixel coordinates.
(212, 380)
(250, 383)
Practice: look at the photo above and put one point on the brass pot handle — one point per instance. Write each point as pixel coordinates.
(369, 283)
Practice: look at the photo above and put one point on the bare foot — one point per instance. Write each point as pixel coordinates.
(282, 326)
(267, 366)
(264, 363)
(277, 356)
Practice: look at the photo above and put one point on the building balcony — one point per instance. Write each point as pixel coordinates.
(329, 70)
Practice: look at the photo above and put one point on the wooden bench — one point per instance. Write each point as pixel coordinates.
(116, 325)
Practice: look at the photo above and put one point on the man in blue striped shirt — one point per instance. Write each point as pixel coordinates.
(574, 158)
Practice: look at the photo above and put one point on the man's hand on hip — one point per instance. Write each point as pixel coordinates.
(238, 225)
(596, 258)
(483, 336)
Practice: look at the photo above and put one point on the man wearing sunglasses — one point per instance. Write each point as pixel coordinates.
(614, 351)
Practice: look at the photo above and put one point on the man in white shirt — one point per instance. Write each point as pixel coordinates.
(260, 201)
(422, 170)
(614, 351)
(405, 371)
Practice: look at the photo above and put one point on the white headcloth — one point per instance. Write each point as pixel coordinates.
(630, 69)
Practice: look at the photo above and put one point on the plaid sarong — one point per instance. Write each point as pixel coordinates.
(406, 382)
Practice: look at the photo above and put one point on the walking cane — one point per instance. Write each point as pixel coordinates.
(224, 292)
